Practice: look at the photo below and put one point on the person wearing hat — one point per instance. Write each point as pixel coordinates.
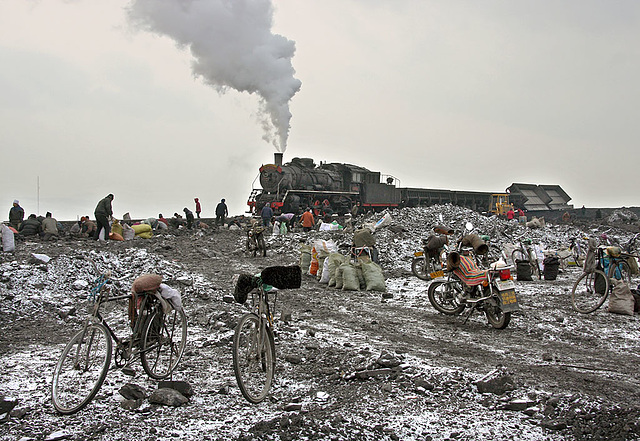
(102, 214)
(16, 214)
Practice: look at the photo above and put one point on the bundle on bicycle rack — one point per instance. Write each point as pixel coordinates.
(281, 277)
(476, 242)
(144, 283)
(245, 283)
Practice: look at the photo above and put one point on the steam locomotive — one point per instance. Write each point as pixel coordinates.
(301, 183)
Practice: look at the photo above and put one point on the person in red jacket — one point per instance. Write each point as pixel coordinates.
(307, 220)
(198, 207)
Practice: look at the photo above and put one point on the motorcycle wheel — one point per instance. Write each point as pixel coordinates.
(495, 316)
(444, 296)
(419, 268)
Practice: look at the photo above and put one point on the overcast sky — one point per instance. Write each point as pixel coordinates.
(97, 97)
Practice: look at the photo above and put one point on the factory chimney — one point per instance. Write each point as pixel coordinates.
(277, 158)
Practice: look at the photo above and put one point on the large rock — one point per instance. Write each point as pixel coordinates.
(181, 386)
(133, 392)
(168, 397)
(496, 382)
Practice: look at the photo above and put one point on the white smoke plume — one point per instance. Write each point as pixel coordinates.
(233, 47)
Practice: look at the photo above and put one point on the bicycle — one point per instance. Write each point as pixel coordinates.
(593, 286)
(525, 252)
(254, 350)
(159, 333)
(573, 255)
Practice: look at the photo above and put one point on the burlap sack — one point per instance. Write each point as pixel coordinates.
(621, 300)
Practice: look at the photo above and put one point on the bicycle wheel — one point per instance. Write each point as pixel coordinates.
(445, 295)
(254, 358)
(419, 268)
(620, 271)
(163, 342)
(590, 291)
(81, 369)
(518, 255)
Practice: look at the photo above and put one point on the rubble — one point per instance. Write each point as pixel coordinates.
(350, 364)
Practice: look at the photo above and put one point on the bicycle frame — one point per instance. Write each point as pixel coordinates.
(127, 350)
(615, 264)
(261, 306)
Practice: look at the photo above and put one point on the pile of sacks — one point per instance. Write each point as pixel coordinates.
(125, 232)
(322, 260)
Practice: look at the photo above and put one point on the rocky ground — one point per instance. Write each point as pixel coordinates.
(352, 365)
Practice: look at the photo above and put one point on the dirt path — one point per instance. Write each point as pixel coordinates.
(576, 373)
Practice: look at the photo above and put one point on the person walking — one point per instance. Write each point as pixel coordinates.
(102, 214)
(16, 214)
(307, 220)
(198, 207)
(266, 214)
(189, 216)
(221, 212)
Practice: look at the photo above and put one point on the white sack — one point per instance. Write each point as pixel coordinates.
(8, 241)
(172, 295)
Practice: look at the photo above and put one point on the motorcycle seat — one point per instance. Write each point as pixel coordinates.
(469, 272)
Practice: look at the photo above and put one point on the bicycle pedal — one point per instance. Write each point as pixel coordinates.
(128, 370)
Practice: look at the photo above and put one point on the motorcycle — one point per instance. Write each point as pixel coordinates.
(466, 286)
(255, 240)
(427, 264)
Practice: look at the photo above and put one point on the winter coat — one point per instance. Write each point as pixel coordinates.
(88, 227)
(221, 209)
(104, 207)
(30, 227)
(50, 225)
(198, 206)
(16, 214)
(307, 219)
(266, 212)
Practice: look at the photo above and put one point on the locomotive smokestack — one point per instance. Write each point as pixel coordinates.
(277, 158)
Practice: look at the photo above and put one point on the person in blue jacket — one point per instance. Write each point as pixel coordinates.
(266, 214)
